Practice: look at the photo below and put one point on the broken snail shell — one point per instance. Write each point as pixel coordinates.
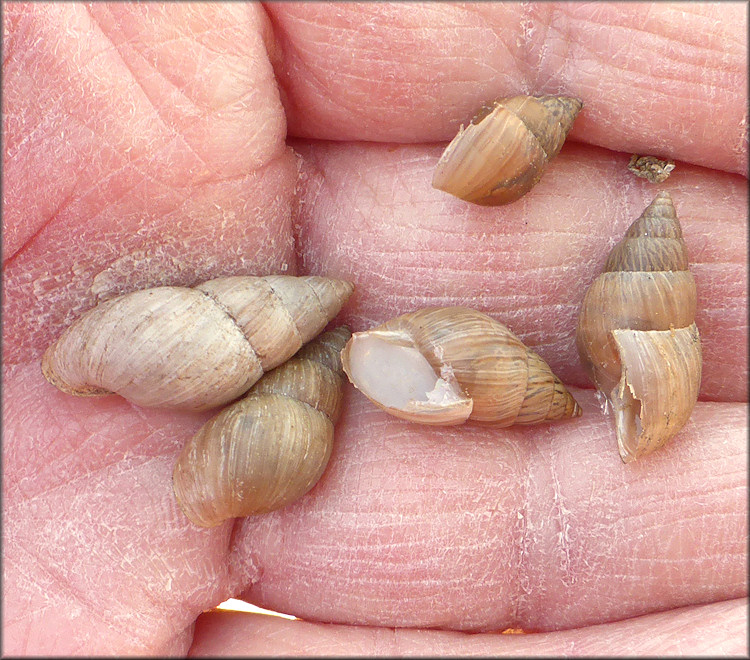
(271, 447)
(503, 151)
(192, 348)
(650, 168)
(636, 332)
(447, 365)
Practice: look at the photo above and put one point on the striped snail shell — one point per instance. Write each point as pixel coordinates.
(191, 348)
(636, 332)
(269, 448)
(450, 364)
(504, 150)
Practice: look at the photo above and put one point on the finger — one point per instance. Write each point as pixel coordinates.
(370, 215)
(149, 150)
(655, 78)
(477, 528)
(137, 157)
(98, 558)
(719, 629)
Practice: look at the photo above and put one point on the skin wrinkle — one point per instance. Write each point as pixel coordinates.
(552, 46)
(99, 134)
(321, 87)
(72, 451)
(28, 134)
(521, 62)
(109, 466)
(78, 594)
(91, 440)
(679, 38)
(65, 203)
(279, 148)
(669, 42)
(16, 52)
(520, 596)
(126, 618)
(561, 514)
(207, 171)
(353, 105)
(151, 52)
(8, 261)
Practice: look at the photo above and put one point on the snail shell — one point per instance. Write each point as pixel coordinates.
(636, 332)
(503, 151)
(447, 365)
(269, 448)
(193, 348)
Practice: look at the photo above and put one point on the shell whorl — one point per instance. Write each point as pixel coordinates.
(503, 151)
(313, 376)
(645, 286)
(477, 369)
(193, 348)
(548, 118)
(653, 242)
(269, 448)
(636, 332)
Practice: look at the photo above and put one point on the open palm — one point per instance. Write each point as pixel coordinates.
(168, 144)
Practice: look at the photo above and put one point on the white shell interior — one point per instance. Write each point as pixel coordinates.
(627, 420)
(397, 376)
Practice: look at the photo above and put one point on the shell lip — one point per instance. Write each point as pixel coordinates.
(391, 372)
(82, 390)
(628, 426)
(430, 413)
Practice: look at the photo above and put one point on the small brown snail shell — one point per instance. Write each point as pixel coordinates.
(636, 332)
(192, 348)
(503, 151)
(271, 447)
(446, 365)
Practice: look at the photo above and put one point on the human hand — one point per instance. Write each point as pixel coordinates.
(145, 145)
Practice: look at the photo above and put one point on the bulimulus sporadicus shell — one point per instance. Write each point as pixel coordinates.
(446, 365)
(192, 348)
(505, 148)
(636, 332)
(269, 448)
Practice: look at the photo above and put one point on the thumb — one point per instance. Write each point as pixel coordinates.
(148, 149)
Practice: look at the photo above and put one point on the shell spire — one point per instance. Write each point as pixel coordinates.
(653, 242)
(549, 118)
(636, 332)
(504, 150)
(270, 448)
(450, 364)
(192, 348)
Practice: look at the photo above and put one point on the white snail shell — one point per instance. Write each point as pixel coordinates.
(192, 348)
(269, 448)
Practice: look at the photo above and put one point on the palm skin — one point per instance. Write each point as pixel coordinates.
(150, 144)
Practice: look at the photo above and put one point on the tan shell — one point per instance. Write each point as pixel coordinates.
(192, 348)
(636, 333)
(270, 448)
(503, 151)
(447, 365)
